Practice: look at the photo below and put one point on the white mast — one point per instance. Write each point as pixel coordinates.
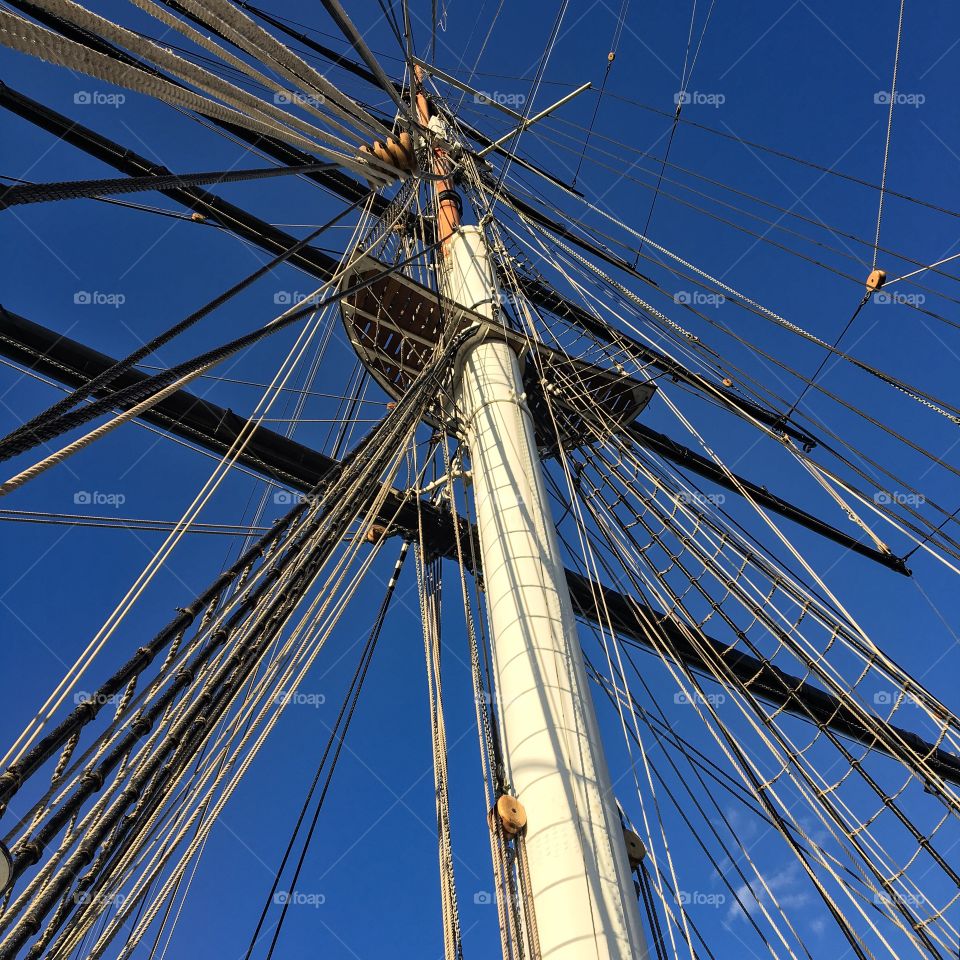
(585, 902)
(583, 893)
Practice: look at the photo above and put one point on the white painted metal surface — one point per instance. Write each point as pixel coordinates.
(585, 901)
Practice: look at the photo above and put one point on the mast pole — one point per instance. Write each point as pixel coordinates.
(583, 892)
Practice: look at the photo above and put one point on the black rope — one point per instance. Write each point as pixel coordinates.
(932, 534)
(130, 396)
(206, 710)
(649, 906)
(656, 189)
(593, 119)
(391, 18)
(347, 708)
(75, 189)
(13, 443)
(685, 79)
(343, 21)
(823, 362)
(142, 207)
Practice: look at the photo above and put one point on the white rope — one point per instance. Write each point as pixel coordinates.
(74, 674)
(29, 38)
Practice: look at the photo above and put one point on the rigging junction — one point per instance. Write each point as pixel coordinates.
(449, 357)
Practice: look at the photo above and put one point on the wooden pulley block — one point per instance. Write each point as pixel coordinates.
(402, 152)
(513, 818)
(380, 152)
(398, 152)
(636, 851)
(397, 157)
(376, 533)
(406, 142)
(366, 153)
(876, 280)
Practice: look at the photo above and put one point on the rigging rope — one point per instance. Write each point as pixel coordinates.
(836, 343)
(26, 37)
(915, 393)
(142, 394)
(611, 56)
(113, 621)
(372, 471)
(685, 79)
(429, 583)
(337, 734)
(886, 144)
(73, 189)
(11, 444)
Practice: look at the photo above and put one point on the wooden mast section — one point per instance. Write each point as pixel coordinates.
(448, 204)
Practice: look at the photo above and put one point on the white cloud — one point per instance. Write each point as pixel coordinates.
(788, 888)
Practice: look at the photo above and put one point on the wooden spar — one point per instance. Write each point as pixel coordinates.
(447, 201)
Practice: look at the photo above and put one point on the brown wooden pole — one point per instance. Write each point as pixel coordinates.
(448, 207)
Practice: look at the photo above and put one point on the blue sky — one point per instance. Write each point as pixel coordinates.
(800, 77)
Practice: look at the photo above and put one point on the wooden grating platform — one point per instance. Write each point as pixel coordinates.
(396, 325)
